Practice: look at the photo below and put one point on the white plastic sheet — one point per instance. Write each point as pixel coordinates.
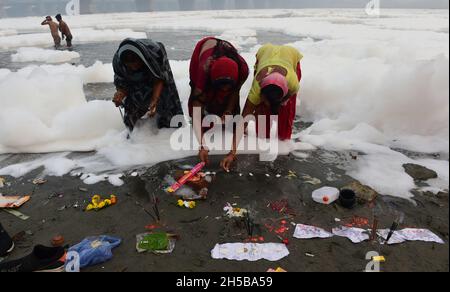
(250, 251)
(356, 235)
(410, 234)
(307, 232)
(396, 237)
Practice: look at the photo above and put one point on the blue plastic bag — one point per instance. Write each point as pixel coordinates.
(95, 250)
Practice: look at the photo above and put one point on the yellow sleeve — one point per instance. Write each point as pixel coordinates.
(255, 93)
(297, 56)
(262, 50)
(294, 84)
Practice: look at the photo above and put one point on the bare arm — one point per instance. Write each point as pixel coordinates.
(249, 109)
(203, 153)
(198, 129)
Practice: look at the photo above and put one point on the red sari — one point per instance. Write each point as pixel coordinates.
(199, 72)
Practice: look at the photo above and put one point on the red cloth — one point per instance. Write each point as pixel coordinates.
(200, 69)
(199, 64)
(286, 116)
(226, 68)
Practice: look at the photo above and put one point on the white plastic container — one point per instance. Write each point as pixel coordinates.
(325, 195)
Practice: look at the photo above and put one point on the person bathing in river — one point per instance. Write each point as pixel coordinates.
(53, 30)
(65, 30)
(144, 83)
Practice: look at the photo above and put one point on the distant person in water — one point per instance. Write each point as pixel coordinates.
(65, 31)
(54, 30)
(274, 93)
(145, 84)
(217, 73)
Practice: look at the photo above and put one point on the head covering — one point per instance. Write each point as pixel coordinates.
(133, 47)
(224, 68)
(276, 79)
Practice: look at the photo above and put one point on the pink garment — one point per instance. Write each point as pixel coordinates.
(276, 79)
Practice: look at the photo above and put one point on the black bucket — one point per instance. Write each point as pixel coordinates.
(347, 199)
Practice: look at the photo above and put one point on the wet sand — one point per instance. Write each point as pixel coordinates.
(201, 228)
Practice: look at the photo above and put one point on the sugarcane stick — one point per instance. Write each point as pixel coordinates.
(182, 181)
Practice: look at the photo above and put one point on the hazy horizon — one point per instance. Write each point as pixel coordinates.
(20, 8)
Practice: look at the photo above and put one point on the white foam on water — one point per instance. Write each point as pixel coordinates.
(4, 73)
(80, 35)
(240, 37)
(442, 169)
(41, 55)
(8, 32)
(97, 73)
(369, 85)
(48, 112)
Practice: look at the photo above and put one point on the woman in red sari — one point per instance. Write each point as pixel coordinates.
(217, 73)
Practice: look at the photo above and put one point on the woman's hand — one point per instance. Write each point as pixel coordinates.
(227, 162)
(152, 110)
(203, 154)
(119, 96)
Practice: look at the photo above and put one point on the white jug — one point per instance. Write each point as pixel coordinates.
(325, 195)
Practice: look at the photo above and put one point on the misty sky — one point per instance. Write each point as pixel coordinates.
(15, 8)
